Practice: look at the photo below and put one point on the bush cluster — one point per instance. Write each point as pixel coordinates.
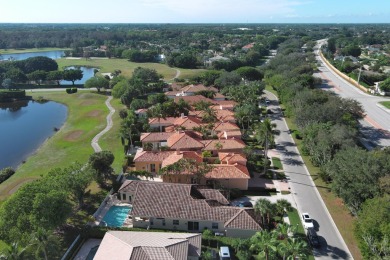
(71, 90)
(6, 173)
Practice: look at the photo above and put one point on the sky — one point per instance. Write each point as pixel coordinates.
(195, 11)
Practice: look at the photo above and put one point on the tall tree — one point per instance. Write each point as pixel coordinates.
(265, 243)
(73, 75)
(13, 252)
(101, 163)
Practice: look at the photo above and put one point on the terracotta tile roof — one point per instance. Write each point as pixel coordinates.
(151, 156)
(176, 156)
(184, 141)
(232, 158)
(225, 126)
(188, 122)
(132, 245)
(218, 95)
(228, 171)
(162, 121)
(194, 99)
(230, 134)
(227, 144)
(197, 88)
(155, 137)
(212, 195)
(184, 201)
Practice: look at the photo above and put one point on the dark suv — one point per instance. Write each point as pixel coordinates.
(313, 238)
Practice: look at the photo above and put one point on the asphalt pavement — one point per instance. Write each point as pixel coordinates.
(376, 124)
(304, 191)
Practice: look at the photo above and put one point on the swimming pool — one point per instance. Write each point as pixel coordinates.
(116, 215)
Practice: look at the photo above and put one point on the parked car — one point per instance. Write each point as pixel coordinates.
(313, 238)
(224, 253)
(307, 221)
(246, 204)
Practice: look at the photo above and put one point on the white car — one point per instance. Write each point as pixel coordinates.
(307, 221)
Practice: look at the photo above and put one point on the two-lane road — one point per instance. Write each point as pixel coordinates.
(376, 125)
(305, 192)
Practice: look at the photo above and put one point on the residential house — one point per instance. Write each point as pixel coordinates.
(230, 176)
(233, 134)
(131, 245)
(232, 158)
(227, 146)
(185, 141)
(225, 126)
(195, 99)
(189, 90)
(186, 207)
(171, 124)
(248, 46)
(156, 139)
(150, 161)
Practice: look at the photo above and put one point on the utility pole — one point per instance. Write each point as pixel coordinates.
(360, 72)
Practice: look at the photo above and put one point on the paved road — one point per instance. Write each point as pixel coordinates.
(304, 191)
(376, 125)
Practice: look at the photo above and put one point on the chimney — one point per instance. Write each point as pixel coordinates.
(178, 151)
(182, 115)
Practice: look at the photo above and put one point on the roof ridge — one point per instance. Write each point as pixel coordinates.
(236, 215)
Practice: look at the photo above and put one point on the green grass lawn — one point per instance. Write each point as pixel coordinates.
(277, 163)
(86, 117)
(386, 104)
(11, 51)
(127, 67)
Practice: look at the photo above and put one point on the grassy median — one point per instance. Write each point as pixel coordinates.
(86, 117)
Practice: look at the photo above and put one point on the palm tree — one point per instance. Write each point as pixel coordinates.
(265, 136)
(282, 230)
(41, 240)
(13, 252)
(282, 206)
(265, 243)
(296, 248)
(265, 208)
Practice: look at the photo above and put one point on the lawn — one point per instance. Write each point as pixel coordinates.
(11, 51)
(277, 163)
(386, 104)
(127, 67)
(86, 117)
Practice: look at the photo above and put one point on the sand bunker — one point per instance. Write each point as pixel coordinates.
(74, 135)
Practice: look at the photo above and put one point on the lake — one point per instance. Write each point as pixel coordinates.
(22, 56)
(25, 126)
(87, 72)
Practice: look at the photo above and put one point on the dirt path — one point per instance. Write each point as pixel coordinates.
(177, 74)
(95, 140)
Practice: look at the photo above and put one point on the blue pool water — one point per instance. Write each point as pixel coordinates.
(116, 215)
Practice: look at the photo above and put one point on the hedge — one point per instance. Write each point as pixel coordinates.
(6, 173)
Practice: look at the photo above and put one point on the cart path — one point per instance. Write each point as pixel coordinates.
(95, 141)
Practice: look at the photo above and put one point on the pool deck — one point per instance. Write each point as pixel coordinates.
(111, 200)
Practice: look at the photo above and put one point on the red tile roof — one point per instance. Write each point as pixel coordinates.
(185, 201)
(176, 156)
(230, 134)
(228, 171)
(232, 158)
(195, 99)
(155, 137)
(225, 126)
(151, 156)
(184, 141)
(228, 144)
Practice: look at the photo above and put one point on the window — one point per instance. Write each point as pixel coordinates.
(214, 225)
(163, 222)
(175, 222)
(151, 221)
(123, 196)
(129, 198)
(193, 226)
(152, 167)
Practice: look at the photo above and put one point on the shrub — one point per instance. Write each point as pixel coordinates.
(69, 90)
(74, 90)
(6, 173)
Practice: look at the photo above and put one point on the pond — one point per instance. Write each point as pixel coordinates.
(87, 74)
(24, 126)
(23, 56)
